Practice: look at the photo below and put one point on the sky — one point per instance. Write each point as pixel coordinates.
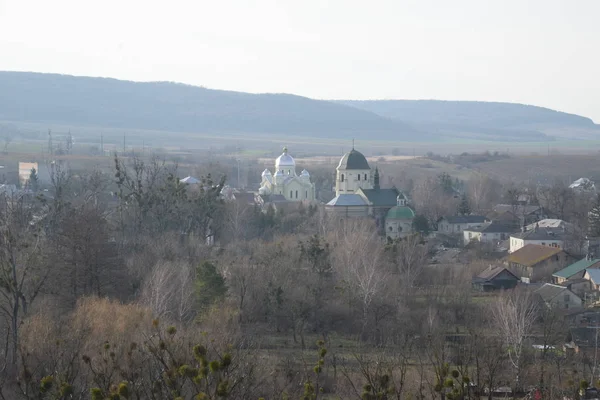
(541, 52)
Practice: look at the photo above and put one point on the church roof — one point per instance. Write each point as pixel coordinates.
(400, 212)
(347, 200)
(381, 197)
(285, 160)
(353, 160)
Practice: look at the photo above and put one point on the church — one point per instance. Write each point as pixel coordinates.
(359, 194)
(285, 182)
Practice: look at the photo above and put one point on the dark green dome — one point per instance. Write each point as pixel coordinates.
(353, 160)
(400, 212)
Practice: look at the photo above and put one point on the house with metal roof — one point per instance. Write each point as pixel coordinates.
(556, 296)
(495, 278)
(518, 214)
(491, 232)
(458, 223)
(537, 263)
(553, 237)
(593, 275)
(575, 270)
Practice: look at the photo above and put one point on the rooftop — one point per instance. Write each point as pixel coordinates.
(532, 254)
(594, 275)
(347, 200)
(576, 267)
(381, 197)
(542, 234)
(353, 160)
(491, 272)
(550, 291)
(466, 219)
(400, 212)
(548, 223)
(493, 227)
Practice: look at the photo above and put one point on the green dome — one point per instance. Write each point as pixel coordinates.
(400, 212)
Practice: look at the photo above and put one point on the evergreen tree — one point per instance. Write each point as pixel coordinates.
(594, 219)
(209, 284)
(463, 207)
(33, 180)
(445, 182)
(421, 225)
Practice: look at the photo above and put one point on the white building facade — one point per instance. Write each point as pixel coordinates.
(286, 182)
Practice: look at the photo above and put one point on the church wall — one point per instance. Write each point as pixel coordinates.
(294, 187)
(351, 183)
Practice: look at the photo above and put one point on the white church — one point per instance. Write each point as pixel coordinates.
(286, 182)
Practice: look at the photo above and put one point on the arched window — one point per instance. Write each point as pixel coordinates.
(366, 177)
(342, 178)
(291, 194)
(390, 228)
(306, 194)
(296, 194)
(359, 177)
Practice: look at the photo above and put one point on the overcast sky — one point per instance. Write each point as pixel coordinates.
(542, 52)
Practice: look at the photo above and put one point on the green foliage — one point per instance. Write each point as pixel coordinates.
(210, 285)
(318, 255)
(312, 390)
(421, 224)
(33, 181)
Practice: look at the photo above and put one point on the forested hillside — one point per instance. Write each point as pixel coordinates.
(166, 106)
(495, 120)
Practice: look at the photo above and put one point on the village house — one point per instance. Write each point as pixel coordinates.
(495, 278)
(593, 275)
(559, 297)
(575, 270)
(552, 237)
(535, 263)
(518, 214)
(458, 223)
(581, 287)
(492, 232)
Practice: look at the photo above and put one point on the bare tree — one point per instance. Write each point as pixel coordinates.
(481, 192)
(21, 274)
(169, 291)
(514, 313)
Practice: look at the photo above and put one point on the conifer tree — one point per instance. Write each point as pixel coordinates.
(33, 180)
(463, 207)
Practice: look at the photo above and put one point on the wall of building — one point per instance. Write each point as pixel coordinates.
(566, 300)
(350, 182)
(392, 231)
(445, 227)
(517, 243)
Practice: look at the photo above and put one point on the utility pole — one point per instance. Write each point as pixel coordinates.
(50, 145)
(595, 353)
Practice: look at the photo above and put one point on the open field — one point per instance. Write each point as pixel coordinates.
(34, 136)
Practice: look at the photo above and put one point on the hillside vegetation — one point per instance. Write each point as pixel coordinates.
(165, 106)
(173, 110)
(491, 120)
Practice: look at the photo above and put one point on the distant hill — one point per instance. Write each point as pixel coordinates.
(493, 119)
(173, 107)
(52, 99)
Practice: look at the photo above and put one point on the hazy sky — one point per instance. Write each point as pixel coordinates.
(542, 52)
